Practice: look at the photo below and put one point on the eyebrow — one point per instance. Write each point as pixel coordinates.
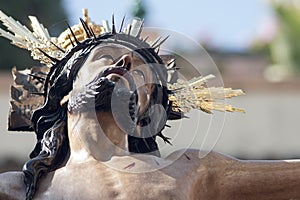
(106, 56)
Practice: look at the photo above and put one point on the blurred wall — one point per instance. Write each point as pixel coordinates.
(14, 146)
(268, 129)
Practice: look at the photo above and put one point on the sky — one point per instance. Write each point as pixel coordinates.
(230, 24)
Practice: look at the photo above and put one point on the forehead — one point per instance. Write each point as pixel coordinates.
(113, 51)
(103, 56)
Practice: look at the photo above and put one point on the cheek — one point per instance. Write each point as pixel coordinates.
(91, 69)
(144, 95)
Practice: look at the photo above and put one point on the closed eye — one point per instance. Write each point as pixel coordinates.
(106, 56)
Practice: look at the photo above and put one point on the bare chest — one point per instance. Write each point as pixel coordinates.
(106, 183)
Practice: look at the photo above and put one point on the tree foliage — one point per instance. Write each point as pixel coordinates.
(286, 47)
(139, 10)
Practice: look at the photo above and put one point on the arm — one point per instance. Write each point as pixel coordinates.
(260, 180)
(12, 186)
(226, 178)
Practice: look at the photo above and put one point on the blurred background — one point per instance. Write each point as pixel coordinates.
(254, 43)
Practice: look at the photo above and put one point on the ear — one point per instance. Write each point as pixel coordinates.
(125, 61)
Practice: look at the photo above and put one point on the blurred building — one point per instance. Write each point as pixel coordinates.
(268, 130)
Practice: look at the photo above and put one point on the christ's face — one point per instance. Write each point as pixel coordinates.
(129, 78)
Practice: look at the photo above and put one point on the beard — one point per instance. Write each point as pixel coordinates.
(105, 95)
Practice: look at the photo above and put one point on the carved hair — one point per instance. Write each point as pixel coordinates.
(50, 122)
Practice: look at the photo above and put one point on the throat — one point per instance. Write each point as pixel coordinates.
(95, 135)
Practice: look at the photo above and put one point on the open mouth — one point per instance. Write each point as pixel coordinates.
(119, 75)
(118, 95)
(113, 90)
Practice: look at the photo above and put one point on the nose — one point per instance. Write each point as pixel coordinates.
(125, 61)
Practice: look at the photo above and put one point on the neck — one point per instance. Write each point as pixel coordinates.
(95, 136)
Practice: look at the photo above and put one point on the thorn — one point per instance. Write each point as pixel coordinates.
(41, 79)
(165, 139)
(173, 68)
(155, 42)
(187, 157)
(171, 62)
(113, 26)
(73, 34)
(166, 125)
(122, 23)
(129, 30)
(157, 50)
(93, 33)
(58, 47)
(146, 38)
(71, 40)
(176, 114)
(48, 56)
(38, 93)
(160, 43)
(85, 27)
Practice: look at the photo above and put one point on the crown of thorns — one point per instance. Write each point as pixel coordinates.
(55, 52)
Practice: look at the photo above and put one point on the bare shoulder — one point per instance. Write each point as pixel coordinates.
(12, 186)
(202, 157)
(198, 173)
(195, 160)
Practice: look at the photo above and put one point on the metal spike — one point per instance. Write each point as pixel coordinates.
(175, 68)
(113, 26)
(73, 34)
(157, 50)
(122, 23)
(58, 47)
(71, 40)
(41, 79)
(93, 33)
(38, 93)
(146, 38)
(171, 62)
(165, 139)
(187, 157)
(160, 43)
(86, 28)
(155, 42)
(129, 29)
(48, 56)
